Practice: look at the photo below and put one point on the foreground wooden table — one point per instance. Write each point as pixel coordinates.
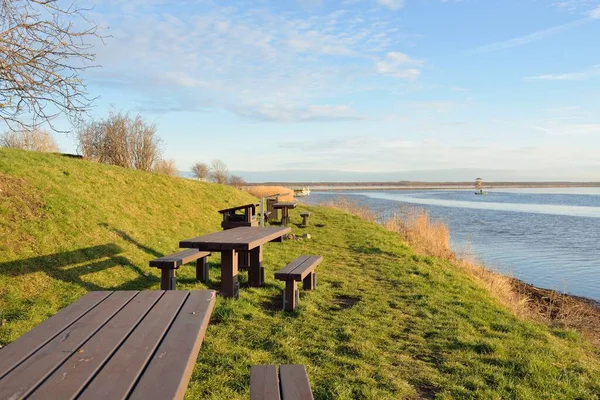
(229, 243)
(110, 345)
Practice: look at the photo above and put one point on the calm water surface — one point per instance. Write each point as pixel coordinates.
(547, 237)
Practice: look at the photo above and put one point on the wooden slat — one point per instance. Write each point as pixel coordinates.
(67, 381)
(119, 374)
(264, 383)
(269, 236)
(251, 205)
(305, 268)
(287, 204)
(294, 383)
(178, 259)
(241, 239)
(249, 240)
(170, 369)
(14, 353)
(283, 273)
(29, 374)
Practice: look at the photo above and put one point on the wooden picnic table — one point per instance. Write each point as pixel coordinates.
(229, 243)
(110, 345)
(285, 207)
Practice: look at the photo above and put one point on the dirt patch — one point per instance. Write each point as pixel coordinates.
(343, 302)
(563, 310)
(18, 199)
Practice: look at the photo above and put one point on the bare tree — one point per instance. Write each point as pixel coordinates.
(29, 139)
(220, 173)
(120, 140)
(201, 170)
(44, 47)
(166, 167)
(237, 181)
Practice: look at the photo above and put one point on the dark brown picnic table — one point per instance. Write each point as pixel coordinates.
(110, 345)
(285, 207)
(229, 243)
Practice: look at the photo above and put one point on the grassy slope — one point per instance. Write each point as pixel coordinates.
(418, 326)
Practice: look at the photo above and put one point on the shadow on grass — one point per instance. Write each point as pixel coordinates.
(71, 266)
(125, 236)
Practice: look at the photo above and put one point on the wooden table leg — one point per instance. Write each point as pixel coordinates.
(229, 273)
(167, 279)
(256, 273)
(291, 287)
(202, 270)
(285, 219)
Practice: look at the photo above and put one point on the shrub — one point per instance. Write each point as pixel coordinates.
(166, 167)
(29, 139)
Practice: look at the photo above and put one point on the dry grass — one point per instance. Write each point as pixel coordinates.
(432, 238)
(264, 191)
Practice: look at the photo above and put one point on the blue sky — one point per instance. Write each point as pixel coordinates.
(367, 86)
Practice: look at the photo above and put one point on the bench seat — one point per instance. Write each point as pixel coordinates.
(168, 265)
(291, 383)
(301, 269)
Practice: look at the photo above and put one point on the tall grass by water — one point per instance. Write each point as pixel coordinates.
(432, 238)
(287, 194)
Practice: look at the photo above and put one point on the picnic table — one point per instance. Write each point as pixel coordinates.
(229, 243)
(285, 207)
(110, 345)
(231, 219)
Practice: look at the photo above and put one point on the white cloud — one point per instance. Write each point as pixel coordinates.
(570, 76)
(392, 4)
(595, 13)
(532, 37)
(293, 113)
(399, 65)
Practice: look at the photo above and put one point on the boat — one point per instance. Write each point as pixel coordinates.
(479, 186)
(481, 192)
(304, 192)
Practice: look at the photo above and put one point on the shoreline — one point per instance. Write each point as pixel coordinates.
(407, 185)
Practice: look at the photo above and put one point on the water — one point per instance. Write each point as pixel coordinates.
(547, 237)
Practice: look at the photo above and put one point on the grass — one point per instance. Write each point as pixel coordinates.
(383, 323)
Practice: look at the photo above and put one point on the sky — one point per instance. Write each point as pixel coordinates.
(371, 88)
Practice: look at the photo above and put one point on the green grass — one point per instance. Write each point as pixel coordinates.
(383, 323)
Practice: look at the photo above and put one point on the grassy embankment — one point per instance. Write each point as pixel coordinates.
(384, 322)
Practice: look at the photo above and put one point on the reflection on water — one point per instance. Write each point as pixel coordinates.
(548, 237)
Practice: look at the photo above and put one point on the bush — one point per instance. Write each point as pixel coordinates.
(29, 139)
(166, 167)
(121, 140)
(220, 173)
(201, 170)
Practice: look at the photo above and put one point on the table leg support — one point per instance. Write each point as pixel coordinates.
(308, 283)
(229, 274)
(256, 272)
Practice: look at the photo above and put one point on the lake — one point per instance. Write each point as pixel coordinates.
(547, 237)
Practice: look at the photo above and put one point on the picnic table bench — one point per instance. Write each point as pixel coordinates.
(301, 269)
(231, 219)
(169, 264)
(110, 345)
(230, 243)
(285, 207)
(291, 383)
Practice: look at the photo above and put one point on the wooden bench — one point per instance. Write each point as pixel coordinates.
(305, 216)
(291, 383)
(301, 269)
(168, 265)
(233, 220)
(110, 345)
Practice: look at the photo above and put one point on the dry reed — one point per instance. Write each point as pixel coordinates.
(432, 238)
(287, 194)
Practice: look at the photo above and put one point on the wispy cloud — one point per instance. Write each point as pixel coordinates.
(392, 4)
(532, 37)
(570, 76)
(595, 13)
(293, 113)
(399, 65)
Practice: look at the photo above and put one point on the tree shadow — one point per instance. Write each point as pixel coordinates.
(71, 266)
(125, 236)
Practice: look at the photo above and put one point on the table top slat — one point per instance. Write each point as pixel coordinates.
(167, 376)
(264, 383)
(119, 374)
(294, 383)
(73, 375)
(33, 371)
(14, 353)
(242, 238)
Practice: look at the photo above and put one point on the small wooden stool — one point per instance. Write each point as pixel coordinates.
(305, 216)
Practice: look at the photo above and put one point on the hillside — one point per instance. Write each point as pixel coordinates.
(384, 322)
